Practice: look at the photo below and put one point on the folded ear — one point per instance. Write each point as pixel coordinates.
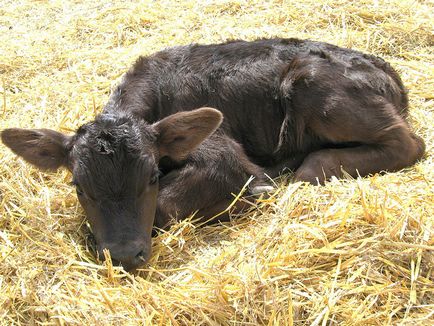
(44, 148)
(180, 133)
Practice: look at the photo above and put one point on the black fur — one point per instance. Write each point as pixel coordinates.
(288, 104)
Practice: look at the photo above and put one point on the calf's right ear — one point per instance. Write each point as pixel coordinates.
(46, 149)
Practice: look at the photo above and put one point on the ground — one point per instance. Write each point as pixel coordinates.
(352, 252)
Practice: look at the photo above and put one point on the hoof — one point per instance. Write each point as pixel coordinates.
(257, 190)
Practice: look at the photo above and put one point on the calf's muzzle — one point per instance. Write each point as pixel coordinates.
(131, 255)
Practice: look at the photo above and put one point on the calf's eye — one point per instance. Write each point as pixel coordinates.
(153, 179)
(78, 190)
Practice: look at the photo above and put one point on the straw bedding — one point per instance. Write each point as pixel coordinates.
(352, 252)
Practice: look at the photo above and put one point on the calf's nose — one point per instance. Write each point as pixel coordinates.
(129, 255)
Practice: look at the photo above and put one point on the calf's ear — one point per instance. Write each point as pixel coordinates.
(180, 133)
(46, 149)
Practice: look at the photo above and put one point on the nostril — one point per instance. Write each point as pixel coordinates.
(126, 255)
(141, 256)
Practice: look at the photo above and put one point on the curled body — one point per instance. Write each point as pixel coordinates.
(189, 125)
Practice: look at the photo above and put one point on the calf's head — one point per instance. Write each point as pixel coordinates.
(114, 164)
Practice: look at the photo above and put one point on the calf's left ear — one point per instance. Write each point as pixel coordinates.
(46, 149)
(181, 133)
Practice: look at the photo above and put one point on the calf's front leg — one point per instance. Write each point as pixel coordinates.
(206, 181)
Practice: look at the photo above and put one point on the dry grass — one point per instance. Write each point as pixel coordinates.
(352, 252)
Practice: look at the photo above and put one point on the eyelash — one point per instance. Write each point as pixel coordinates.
(154, 178)
(78, 190)
(77, 187)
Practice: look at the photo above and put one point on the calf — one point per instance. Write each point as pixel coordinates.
(152, 155)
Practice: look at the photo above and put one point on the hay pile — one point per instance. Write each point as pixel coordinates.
(351, 252)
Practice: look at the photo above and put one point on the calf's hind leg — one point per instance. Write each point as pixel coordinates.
(390, 149)
(347, 99)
